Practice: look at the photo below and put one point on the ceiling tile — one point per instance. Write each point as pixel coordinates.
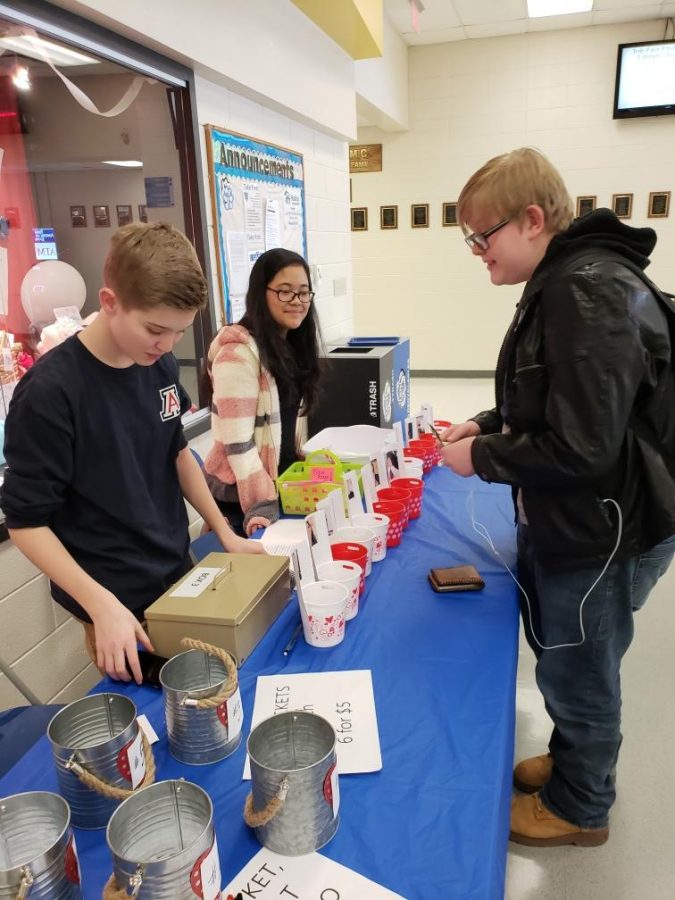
(600, 5)
(442, 19)
(438, 14)
(483, 12)
(439, 36)
(642, 13)
(553, 23)
(498, 29)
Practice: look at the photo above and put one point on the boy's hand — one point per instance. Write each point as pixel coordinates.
(457, 432)
(457, 456)
(118, 632)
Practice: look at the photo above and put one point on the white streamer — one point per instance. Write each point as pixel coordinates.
(78, 94)
(485, 534)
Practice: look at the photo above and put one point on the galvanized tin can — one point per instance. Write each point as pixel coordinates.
(294, 804)
(100, 735)
(200, 732)
(37, 849)
(163, 843)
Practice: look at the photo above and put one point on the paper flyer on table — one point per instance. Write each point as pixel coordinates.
(345, 699)
(269, 876)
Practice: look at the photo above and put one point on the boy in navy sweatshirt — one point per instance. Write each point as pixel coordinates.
(98, 466)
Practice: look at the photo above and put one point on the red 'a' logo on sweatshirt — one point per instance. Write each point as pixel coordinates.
(170, 402)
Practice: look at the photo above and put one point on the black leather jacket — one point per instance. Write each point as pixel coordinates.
(585, 384)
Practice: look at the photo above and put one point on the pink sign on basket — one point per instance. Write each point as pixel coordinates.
(322, 473)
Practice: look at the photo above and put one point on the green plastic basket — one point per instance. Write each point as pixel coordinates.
(306, 482)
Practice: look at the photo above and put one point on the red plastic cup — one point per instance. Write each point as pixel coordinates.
(426, 451)
(409, 453)
(396, 513)
(416, 488)
(399, 495)
(432, 442)
(355, 553)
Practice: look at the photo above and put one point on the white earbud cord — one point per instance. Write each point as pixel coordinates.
(482, 531)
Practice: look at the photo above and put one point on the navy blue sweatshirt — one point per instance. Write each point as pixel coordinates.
(91, 453)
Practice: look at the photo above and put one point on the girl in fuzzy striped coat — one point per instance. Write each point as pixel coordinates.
(265, 376)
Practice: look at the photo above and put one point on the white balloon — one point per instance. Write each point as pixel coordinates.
(48, 286)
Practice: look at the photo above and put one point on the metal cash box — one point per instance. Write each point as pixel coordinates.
(232, 610)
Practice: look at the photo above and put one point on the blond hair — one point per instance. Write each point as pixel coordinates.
(154, 264)
(509, 183)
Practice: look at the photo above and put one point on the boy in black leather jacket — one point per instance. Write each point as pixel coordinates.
(583, 431)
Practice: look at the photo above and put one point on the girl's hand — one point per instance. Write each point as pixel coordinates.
(256, 522)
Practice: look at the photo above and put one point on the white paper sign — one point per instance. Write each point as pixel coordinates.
(380, 468)
(369, 487)
(335, 790)
(337, 502)
(196, 582)
(317, 535)
(209, 872)
(394, 460)
(148, 730)
(326, 508)
(269, 876)
(345, 699)
(238, 306)
(428, 412)
(237, 257)
(353, 493)
(411, 432)
(235, 715)
(136, 758)
(303, 565)
(272, 225)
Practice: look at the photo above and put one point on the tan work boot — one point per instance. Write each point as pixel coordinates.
(530, 775)
(534, 825)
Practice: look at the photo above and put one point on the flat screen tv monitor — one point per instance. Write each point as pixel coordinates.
(645, 80)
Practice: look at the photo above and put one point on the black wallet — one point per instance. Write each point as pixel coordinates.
(456, 578)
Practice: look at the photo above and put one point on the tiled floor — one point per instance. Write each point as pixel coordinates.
(638, 862)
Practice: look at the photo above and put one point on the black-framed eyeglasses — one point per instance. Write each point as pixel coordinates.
(288, 296)
(480, 238)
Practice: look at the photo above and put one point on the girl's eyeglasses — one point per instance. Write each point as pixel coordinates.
(287, 296)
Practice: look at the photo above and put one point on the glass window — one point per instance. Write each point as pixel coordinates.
(69, 177)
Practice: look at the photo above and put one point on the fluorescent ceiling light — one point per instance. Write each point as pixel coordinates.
(539, 8)
(60, 56)
(125, 163)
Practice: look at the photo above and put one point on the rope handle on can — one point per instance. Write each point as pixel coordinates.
(26, 883)
(231, 683)
(112, 790)
(255, 818)
(112, 890)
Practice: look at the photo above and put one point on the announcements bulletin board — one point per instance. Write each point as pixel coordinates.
(258, 195)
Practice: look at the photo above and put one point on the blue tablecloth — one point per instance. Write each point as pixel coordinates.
(434, 822)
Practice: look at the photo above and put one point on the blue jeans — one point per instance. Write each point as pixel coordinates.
(581, 685)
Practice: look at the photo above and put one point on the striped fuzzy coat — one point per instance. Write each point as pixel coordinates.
(245, 422)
